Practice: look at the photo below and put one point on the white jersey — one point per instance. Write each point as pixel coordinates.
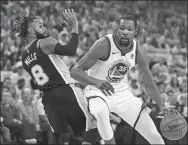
(115, 68)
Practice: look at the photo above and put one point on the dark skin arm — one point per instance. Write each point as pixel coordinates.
(52, 46)
(147, 78)
(150, 85)
(99, 50)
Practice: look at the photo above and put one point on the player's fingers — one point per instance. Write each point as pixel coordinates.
(65, 23)
(175, 111)
(161, 113)
(73, 13)
(104, 92)
(111, 88)
(106, 88)
(101, 87)
(70, 14)
(108, 91)
(67, 14)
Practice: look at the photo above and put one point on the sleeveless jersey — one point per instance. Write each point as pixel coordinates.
(47, 71)
(116, 67)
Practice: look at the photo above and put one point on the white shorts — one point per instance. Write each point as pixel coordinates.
(117, 101)
(128, 107)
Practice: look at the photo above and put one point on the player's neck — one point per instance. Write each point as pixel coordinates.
(123, 48)
(30, 39)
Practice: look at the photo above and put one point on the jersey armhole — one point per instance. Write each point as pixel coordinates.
(38, 44)
(47, 52)
(109, 50)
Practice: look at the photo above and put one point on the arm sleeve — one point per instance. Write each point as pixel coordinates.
(52, 46)
(70, 48)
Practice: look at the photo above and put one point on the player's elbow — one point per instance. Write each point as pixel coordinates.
(69, 50)
(147, 77)
(66, 50)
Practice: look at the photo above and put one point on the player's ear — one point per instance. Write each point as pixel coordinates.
(30, 30)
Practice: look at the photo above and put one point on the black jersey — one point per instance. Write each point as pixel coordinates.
(48, 71)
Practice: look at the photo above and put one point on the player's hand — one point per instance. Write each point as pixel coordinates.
(166, 111)
(71, 19)
(105, 87)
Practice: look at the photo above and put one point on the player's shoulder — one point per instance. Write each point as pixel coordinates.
(49, 41)
(102, 42)
(142, 56)
(100, 48)
(24, 54)
(140, 49)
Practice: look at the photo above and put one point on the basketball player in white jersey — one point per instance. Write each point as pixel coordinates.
(108, 61)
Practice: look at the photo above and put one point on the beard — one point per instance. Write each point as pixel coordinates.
(40, 35)
(124, 42)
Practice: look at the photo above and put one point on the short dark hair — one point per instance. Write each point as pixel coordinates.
(128, 17)
(21, 27)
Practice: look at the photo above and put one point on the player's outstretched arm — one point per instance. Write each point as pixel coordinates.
(147, 78)
(99, 50)
(52, 46)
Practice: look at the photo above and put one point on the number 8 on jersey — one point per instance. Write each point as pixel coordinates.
(39, 75)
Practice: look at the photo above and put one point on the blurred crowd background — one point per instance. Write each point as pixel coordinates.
(162, 31)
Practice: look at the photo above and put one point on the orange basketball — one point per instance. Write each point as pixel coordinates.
(173, 127)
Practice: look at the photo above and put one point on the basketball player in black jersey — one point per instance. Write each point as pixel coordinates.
(42, 60)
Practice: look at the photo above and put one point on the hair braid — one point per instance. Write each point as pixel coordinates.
(21, 27)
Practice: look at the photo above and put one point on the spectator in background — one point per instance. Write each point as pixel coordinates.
(63, 37)
(15, 98)
(174, 84)
(19, 88)
(6, 83)
(182, 99)
(162, 77)
(172, 99)
(162, 90)
(18, 72)
(161, 66)
(4, 133)
(10, 115)
(29, 115)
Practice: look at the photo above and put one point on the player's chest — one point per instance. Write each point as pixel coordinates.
(116, 58)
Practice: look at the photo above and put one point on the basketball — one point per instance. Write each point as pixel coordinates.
(173, 127)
